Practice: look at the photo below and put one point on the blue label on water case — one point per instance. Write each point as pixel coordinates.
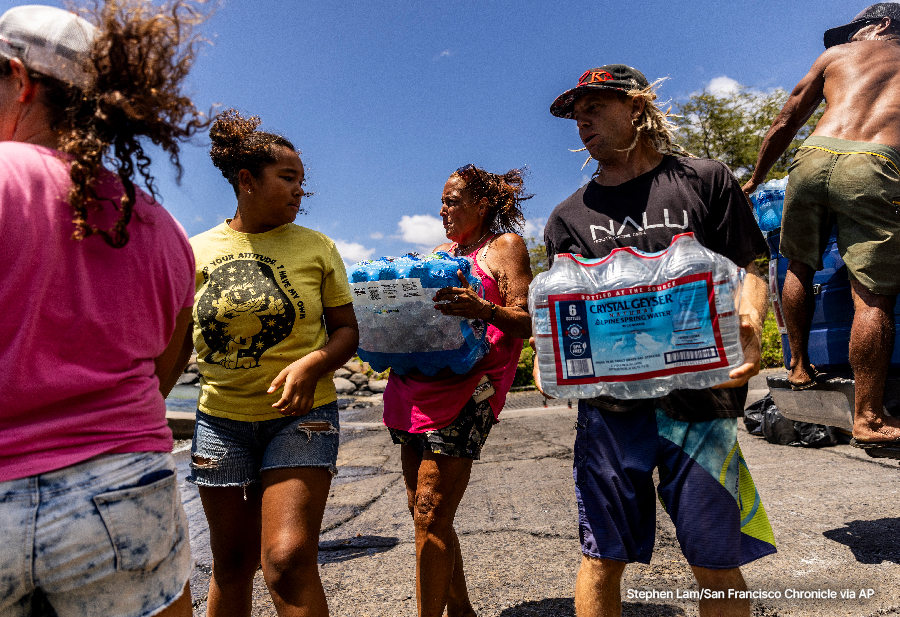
(637, 333)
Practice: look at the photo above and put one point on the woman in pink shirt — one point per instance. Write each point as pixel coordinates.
(97, 280)
(441, 422)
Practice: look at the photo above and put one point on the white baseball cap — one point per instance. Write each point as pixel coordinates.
(49, 40)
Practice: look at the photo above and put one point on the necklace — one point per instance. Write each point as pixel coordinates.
(459, 246)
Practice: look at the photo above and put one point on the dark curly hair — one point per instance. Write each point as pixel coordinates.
(504, 193)
(140, 57)
(237, 145)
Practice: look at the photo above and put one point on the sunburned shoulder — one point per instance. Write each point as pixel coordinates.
(508, 242)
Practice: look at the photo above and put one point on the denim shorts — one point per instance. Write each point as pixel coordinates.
(233, 452)
(104, 537)
(704, 485)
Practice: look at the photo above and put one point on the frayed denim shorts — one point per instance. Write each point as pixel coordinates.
(104, 537)
(233, 453)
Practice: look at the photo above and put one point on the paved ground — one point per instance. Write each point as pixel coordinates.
(835, 512)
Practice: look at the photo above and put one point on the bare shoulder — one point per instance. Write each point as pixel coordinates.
(443, 247)
(860, 57)
(508, 253)
(505, 249)
(509, 242)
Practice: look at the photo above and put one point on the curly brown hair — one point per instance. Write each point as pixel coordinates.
(504, 193)
(237, 145)
(140, 57)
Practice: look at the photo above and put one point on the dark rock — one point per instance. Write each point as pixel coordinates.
(353, 367)
(344, 386)
(378, 385)
(359, 379)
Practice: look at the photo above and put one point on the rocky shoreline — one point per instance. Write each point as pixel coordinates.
(355, 378)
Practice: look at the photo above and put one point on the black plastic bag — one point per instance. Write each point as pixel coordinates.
(815, 435)
(775, 427)
(753, 415)
(763, 419)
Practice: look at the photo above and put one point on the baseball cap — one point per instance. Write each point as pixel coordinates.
(836, 36)
(48, 40)
(609, 77)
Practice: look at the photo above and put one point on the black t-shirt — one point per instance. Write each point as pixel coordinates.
(680, 195)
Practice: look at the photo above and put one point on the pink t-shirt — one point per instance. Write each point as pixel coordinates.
(80, 321)
(417, 403)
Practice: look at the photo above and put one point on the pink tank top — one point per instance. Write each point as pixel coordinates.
(418, 403)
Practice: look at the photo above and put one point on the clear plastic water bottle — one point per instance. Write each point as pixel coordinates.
(637, 325)
(768, 204)
(399, 327)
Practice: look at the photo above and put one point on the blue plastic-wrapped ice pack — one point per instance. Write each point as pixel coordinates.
(398, 324)
(768, 203)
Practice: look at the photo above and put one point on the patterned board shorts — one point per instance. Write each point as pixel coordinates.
(462, 438)
(704, 485)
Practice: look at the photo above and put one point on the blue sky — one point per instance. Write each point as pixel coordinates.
(386, 99)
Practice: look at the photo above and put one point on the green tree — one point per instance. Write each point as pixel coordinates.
(730, 127)
(537, 253)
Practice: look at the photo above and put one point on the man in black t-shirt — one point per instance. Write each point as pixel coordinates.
(643, 195)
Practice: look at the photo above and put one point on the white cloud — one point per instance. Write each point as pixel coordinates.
(444, 54)
(534, 228)
(351, 252)
(376, 235)
(423, 230)
(722, 86)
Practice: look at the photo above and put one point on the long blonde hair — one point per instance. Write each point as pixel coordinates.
(653, 126)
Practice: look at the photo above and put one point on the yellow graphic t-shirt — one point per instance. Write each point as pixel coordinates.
(258, 308)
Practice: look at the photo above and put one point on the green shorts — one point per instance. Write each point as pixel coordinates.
(855, 185)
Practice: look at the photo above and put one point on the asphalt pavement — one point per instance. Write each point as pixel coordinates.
(835, 513)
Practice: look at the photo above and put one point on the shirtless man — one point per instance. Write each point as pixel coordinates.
(848, 172)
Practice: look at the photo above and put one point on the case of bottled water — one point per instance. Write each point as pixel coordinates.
(398, 324)
(768, 203)
(637, 325)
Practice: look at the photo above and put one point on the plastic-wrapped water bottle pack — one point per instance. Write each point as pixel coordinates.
(398, 324)
(637, 325)
(768, 203)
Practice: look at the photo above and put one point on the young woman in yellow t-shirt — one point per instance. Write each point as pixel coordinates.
(273, 319)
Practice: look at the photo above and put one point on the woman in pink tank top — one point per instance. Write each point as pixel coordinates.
(442, 422)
